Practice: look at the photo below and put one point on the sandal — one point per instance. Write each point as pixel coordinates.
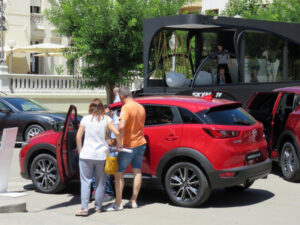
(82, 213)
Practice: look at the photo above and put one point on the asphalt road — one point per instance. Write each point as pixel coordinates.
(269, 201)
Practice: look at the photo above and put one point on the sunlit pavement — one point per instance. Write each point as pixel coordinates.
(269, 201)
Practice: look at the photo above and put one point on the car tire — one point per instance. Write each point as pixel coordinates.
(45, 175)
(33, 130)
(289, 162)
(186, 185)
(241, 187)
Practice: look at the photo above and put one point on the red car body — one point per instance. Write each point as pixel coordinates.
(184, 135)
(279, 111)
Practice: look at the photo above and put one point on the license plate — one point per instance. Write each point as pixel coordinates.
(253, 156)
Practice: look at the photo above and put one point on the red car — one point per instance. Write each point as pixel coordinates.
(194, 145)
(279, 111)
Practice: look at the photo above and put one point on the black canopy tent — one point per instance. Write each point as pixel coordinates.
(191, 22)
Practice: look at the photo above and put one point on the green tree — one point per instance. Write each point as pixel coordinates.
(107, 34)
(276, 10)
(243, 8)
(284, 11)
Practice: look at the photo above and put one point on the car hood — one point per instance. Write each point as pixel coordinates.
(58, 116)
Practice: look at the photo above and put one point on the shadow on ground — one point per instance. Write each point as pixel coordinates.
(153, 193)
(276, 170)
(224, 199)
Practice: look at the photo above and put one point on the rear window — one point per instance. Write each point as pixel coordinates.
(227, 116)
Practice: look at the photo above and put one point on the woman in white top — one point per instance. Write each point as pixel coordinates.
(92, 154)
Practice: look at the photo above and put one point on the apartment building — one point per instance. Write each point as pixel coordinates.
(216, 6)
(26, 25)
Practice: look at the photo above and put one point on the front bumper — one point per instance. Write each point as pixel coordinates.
(25, 175)
(242, 174)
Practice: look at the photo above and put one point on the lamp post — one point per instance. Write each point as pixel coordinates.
(11, 44)
(3, 66)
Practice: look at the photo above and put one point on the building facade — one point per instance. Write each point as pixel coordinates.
(26, 25)
(216, 6)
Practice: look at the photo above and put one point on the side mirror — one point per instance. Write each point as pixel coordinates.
(5, 110)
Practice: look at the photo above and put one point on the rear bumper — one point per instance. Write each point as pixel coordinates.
(243, 174)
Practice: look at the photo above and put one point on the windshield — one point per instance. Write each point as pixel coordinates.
(26, 105)
(227, 116)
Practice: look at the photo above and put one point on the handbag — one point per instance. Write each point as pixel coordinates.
(111, 163)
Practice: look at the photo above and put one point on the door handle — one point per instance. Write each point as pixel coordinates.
(171, 137)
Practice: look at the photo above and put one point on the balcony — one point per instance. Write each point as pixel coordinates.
(37, 21)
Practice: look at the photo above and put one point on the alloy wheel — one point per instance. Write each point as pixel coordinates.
(33, 132)
(45, 174)
(185, 184)
(288, 160)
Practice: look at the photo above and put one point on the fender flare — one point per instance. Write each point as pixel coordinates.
(35, 150)
(185, 152)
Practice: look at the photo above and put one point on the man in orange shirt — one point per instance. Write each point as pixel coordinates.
(132, 120)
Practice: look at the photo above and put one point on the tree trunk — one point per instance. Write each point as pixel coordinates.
(109, 92)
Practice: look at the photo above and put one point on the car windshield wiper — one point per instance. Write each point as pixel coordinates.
(243, 122)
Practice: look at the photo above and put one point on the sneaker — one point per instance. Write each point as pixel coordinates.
(113, 207)
(131, 205)
(108, 198)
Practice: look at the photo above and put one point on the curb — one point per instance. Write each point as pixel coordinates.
(11, 205)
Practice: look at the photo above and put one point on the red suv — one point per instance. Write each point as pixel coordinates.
(194, 145)
(279, 111)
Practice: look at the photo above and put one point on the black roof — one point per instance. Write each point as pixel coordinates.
(288, 31)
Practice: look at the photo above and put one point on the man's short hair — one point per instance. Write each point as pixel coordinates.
(116, 89)
(125, 91)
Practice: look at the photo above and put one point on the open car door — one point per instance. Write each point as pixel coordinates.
(262, 107)
(66, 149)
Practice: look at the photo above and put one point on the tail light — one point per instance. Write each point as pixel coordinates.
(215, 133)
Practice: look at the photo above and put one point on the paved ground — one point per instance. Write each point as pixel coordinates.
(269, 201)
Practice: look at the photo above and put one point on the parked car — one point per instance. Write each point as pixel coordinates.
(279, 111)
(29, 116)
(194, 145)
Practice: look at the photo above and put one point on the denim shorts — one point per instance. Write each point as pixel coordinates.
(135, 158)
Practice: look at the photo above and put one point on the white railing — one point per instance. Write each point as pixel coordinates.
(29, 83)
(37, 19)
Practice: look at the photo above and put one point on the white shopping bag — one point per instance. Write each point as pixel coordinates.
(6, 152)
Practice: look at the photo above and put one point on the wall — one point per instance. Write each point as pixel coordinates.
(20, 29)
(214, 4)
(17, 15)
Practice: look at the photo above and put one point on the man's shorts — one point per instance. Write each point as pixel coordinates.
(135, 158)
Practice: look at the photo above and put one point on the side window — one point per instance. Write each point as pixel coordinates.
(188, 117)
(264, 102)
(286, 104)
(296, 103)
(2, 106)
(158, 115)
